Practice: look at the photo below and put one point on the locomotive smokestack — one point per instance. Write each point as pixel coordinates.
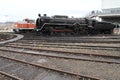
(44, 14)
(39, 15)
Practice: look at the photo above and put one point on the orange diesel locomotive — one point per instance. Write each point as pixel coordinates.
(24, 26)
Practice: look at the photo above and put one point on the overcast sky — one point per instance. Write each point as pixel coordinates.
(20, 9)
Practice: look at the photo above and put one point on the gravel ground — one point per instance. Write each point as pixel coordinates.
(101, 70)
(96, 69)
(6, 36)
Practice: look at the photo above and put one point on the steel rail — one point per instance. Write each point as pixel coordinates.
(64, 57)
(11, 76)
(76, 53)
(109, 48)
(79, 76)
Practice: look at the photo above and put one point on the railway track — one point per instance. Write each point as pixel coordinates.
(29, 71)
(63, 45)
(66, 55)
(6, 76)
(103, 49)
(99, 36)
(74, 39)
(31, 57)
(29, 50)
(69, 46)
(36, 46)
(9, 38)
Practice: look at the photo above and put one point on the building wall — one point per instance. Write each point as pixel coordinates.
(113, 20)
(111, 7)
(111, 10)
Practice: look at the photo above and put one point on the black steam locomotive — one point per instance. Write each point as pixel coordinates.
(76, 26)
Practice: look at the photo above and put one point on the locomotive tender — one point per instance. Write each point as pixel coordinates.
(76, 26)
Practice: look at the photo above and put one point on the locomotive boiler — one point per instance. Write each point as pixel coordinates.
(76, 26)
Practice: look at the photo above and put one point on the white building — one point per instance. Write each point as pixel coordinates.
(111, 12)
(110, 6)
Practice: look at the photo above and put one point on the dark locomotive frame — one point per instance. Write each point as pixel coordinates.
(74, 26)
